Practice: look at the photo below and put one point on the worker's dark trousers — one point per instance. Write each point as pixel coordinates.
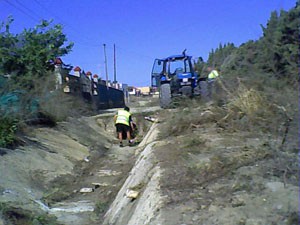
(210, 88)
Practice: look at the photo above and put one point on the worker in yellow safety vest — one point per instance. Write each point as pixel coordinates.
(213, 73)
(212, 76)
(123, 124)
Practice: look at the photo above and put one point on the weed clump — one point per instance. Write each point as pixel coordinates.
(8, 129)
(16, 215)
(101, 207)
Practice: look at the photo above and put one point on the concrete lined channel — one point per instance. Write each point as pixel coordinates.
(151, 183)
(52, 154)
(143, 176)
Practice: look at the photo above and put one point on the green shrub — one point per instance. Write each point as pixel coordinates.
(192, 113)
(101, 207)
(8, 129)
(57, 106)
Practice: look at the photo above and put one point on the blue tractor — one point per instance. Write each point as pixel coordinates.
(174, 76)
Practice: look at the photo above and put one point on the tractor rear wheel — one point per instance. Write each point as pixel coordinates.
(165, 95)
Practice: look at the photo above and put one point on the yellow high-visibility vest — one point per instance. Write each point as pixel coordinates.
(213, 74)
(123, 117)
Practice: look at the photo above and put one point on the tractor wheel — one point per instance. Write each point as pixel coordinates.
(187, 91)
(165, 95)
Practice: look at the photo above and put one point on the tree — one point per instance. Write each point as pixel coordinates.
(275, 54)
(26, 56)
(269, 55)
(217, 57)
(199, 66)
(289, 48)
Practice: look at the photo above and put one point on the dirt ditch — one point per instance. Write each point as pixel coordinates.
(68, 174)
(77, 174)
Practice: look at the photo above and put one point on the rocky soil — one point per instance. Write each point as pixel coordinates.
(76, 173)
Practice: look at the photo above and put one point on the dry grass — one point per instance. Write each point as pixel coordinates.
(247, 101)
(247, 108)
(59, 106)
(188, 115)
(242, 109)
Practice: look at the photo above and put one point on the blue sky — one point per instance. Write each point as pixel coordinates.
(143, 30)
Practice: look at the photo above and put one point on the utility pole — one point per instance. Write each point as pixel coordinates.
(105, 61)
(115, 70)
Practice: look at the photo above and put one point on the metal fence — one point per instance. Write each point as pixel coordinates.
(108, 97)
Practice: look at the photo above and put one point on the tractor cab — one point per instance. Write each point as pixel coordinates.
(173, 76)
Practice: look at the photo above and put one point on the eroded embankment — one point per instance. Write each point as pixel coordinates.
(207, 176)
(49, 156)
(43, 180)
(210, 176)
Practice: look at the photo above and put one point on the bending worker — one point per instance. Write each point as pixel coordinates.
(123, 124)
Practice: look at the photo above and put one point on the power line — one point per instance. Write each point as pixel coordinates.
(134, 53)
(86, 40)
(37, 18)
(24, 6)
(22, 11)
